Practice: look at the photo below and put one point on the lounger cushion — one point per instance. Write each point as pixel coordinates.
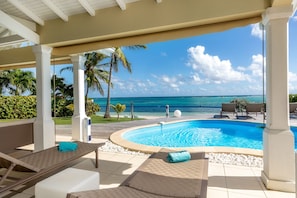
(158, 176)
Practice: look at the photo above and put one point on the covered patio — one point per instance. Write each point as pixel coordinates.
(63, 31)
(225, 180)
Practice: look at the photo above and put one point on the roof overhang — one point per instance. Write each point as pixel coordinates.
(141, 22)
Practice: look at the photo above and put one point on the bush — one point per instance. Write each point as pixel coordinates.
(92, 108)
(63, 108)
(24, 107)
(292, 97)
(240, 103)
(17, 107)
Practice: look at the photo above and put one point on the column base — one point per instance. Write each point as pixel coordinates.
(285, 186)
(44, 134)
(279, 160)
(77, 127)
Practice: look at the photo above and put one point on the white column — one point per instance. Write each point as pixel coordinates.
(79, 97)
(278, 140)
(44, 126)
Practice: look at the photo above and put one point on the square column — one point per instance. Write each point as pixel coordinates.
(278, 140)
(44, 126)
(79, 115)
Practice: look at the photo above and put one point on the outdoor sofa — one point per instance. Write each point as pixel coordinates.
(157, 178)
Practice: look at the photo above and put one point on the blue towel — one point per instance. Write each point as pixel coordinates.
(179, 156)
(67, 146)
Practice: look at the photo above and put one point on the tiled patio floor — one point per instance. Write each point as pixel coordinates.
(225, 181)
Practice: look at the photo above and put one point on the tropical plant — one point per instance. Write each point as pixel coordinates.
(62, 97)
(94, 72)
(17, 107)
(18, 82)
(60, 89)
(118, 108)
(240, 104)
(4, 80)
(116, 57)
(92, 108)
(292, 97)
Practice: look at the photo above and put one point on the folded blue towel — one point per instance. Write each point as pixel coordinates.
(179, 156)
(67, 146)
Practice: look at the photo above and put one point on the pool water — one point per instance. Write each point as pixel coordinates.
(201, 133)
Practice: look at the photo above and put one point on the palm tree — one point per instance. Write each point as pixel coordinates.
(93, 72)
(116, 57)
(4, 80)
(118, 108)
(18, 81)
(60, 89)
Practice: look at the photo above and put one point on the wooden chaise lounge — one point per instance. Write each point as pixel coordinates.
(41, 163)
(157, 178)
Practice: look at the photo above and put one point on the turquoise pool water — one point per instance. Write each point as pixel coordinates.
(201, 133)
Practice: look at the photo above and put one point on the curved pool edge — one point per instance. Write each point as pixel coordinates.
(116, 138)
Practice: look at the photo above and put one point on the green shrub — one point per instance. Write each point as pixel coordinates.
(17, 107)
(24, 107)
(92, 108)
(240, 103)
(292, 97)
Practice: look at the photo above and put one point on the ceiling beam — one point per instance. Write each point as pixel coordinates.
(5, 32)
(26, 11)
(87, 7)
(11, 40)
(122, 4)
(55, 9)
(15, 26)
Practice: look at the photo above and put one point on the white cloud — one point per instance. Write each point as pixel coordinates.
(256, 65)
(292, 82)
(173, 82)
(256, 30)
(212, 68)
(292, 77)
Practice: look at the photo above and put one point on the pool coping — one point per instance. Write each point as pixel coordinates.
(116, 138)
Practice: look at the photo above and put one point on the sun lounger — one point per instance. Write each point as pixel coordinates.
(254, 108)
(41, 163)
(157, 178)
(293, 108)
(228, 108)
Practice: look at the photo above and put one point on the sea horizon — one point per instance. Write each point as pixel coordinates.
(188, 105)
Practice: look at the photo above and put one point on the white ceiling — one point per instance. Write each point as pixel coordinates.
(22, 16)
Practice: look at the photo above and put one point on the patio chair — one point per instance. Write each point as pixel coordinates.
(40, 163)
(157, 178)
(254, 108)
(228, 108)
(293, 108)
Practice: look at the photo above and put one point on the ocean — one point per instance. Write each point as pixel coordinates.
(188, 105)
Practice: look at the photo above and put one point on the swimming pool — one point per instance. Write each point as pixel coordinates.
(200, 133)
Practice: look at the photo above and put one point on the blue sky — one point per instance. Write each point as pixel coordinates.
(223, 63)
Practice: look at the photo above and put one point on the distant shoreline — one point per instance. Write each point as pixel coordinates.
(188, 105)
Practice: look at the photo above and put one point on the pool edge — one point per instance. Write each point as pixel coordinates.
(116, 138)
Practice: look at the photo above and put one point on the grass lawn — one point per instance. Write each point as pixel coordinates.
(95, 120)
